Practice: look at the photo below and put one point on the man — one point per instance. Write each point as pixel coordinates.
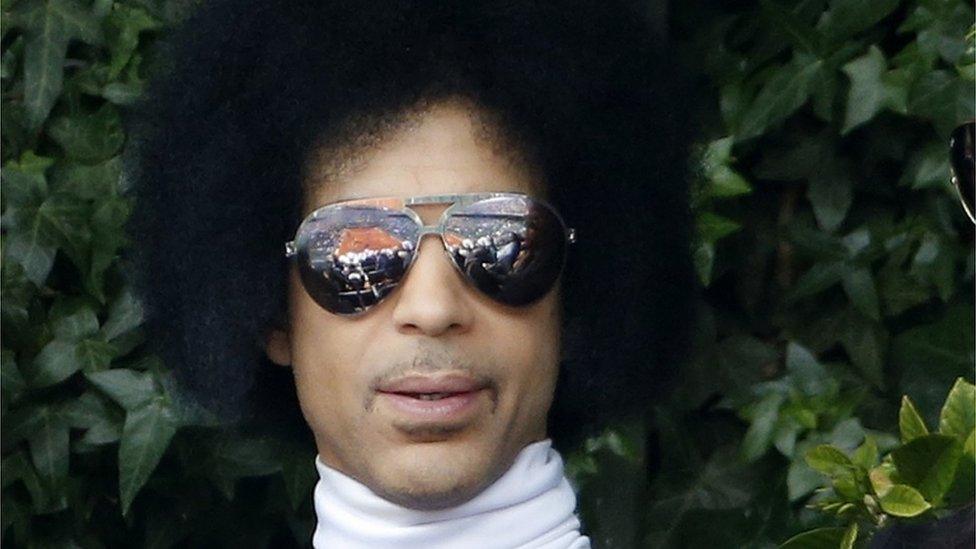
(298, 169)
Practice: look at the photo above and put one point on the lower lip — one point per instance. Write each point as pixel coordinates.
(449, 408)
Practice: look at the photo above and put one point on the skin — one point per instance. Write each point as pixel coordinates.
(434, 323)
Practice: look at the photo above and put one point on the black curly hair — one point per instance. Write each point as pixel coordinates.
(254, 89)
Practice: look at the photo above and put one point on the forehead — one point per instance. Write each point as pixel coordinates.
(445, 149)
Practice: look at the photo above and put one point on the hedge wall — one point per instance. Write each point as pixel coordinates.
(836, 265)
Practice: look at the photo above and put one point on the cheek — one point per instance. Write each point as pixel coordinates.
(530, 344)
(326, 352)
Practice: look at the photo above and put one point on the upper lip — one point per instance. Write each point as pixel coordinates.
(452, 383)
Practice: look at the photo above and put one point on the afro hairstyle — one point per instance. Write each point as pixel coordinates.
(250, 91)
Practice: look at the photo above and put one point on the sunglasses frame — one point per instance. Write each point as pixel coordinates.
(456, 202)
(961, 142)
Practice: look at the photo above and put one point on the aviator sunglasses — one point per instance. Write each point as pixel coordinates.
(352, 254)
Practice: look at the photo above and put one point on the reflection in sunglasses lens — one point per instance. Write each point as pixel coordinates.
(510, 248)
(962, 148)
(350, 257)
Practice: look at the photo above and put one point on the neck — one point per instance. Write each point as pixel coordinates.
(530, 505)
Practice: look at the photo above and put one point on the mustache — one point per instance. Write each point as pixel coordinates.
(434, 361)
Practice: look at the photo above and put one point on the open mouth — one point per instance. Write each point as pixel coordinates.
(431, 396)
(436, 407)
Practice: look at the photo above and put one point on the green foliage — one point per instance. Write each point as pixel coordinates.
(924, 475)
(837, 270)
(97, 448)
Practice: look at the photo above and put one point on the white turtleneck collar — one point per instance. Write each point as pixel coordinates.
(530, 506)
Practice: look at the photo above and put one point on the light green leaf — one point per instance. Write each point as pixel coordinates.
(49, 25)
(128, 388)
(55, 363)
(759, 436)
(821, 538)
(33, 250)
(724, 181)
(88, 182)
(801, 480)
(78, 325)
(850, 536)
(712, 227)
(903, 501)
(146, 435)
(958, 415)
(124, 24)
(829, 461)
(910, 423)
(124, 315)
(873, 88)
(880, 478)
(809, 375)
(48, 444)
(928, 464)
(866, 455)
(95, 355)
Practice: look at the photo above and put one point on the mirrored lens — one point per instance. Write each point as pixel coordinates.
(510, 248)
(351, 256)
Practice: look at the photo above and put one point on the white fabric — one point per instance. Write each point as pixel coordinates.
(531, 506)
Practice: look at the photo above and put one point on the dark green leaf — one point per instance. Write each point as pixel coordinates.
(943, 98)
(818, 278)
(831, 196)
(859, 286)
(928, 464)
(11, 381)
(865, 342)
(785, 92)
(847, 18)
(145, 437)
(89, 137)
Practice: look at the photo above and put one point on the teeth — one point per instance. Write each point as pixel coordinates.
(432, 396)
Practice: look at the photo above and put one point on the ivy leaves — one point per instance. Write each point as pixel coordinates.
(928, 471)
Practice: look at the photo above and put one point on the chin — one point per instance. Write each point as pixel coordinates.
(434, 476)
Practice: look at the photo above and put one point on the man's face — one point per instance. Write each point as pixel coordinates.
(433, 326)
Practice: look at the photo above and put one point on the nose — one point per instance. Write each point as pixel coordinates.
(432, 298)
